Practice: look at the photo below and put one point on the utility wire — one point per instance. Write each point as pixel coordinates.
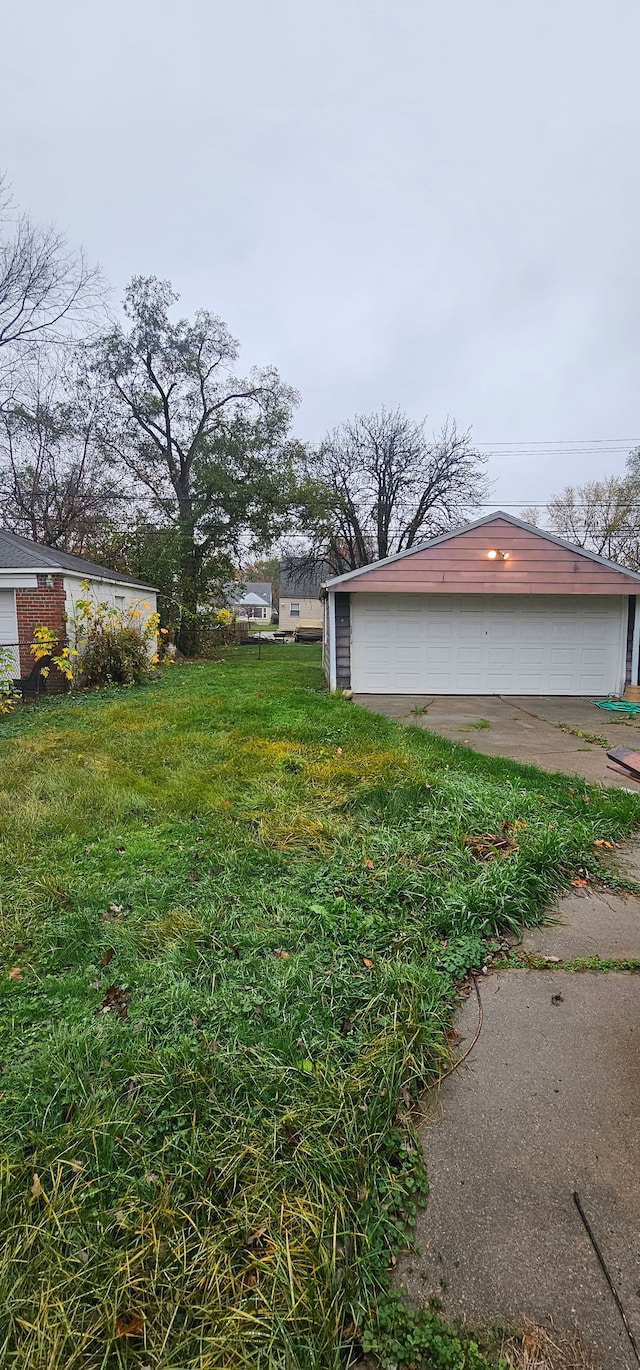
(561, 442)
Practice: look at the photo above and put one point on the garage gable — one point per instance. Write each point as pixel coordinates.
(496, 555)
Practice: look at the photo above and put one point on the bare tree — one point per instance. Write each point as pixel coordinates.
(46, 288)
(601, 515)
(54, 487)
(382, 486)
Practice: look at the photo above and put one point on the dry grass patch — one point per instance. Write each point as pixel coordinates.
(537, 1349)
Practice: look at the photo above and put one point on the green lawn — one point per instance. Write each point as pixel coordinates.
(234, 910)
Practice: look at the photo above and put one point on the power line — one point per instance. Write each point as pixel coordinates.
(561, 442)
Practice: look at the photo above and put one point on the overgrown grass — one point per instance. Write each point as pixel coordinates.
(234, 910)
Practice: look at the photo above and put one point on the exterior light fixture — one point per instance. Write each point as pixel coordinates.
(49, 582)
(496, 555)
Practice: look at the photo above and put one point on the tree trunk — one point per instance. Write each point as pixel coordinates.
(188, 636)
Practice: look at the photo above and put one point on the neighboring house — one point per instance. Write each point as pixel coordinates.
(300, 602)
(253, 600)
(498, 607)
(39, 586)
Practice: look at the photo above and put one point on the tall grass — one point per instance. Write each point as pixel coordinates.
(235, 910)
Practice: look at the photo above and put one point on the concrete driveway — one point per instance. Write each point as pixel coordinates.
(541, 730)
(547, 1103)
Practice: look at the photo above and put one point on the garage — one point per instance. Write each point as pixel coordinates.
(487, 644)
(9, 624)
(499, 607)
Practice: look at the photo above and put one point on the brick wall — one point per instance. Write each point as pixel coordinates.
(44, 605)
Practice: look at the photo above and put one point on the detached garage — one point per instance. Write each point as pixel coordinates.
(498, 607)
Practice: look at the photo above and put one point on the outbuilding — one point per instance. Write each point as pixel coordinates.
(497, 607)
(39, 586)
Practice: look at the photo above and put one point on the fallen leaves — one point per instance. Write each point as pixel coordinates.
(486, 846)
(491, 844)
(113, 911)
(579, 883)
(116, 1001)
(130, 1325)
(370, 865)
(366, 962)
(283, 955)
(16, 973)
(257, 1238)
(37, 1192)
(602, 842)
(107, 956)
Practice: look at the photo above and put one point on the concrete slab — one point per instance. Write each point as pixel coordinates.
(547, 1103)
(628, 861)
(590, 923)
(522, 728)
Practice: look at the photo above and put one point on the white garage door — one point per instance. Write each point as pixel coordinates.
(488, 644)
(8, 623)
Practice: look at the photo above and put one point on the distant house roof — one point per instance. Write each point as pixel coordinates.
(299, 576)
(252, 592)
(20, 554)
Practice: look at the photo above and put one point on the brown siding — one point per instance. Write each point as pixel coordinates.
(460, 565)
(343, 641)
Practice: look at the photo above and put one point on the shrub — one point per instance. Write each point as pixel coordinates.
(8, 696)
(45, 641)
(113, 646)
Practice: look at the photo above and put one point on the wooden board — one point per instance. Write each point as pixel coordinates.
(619, 770)
(630, 760)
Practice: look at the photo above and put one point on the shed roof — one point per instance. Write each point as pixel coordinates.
(538, 562)
(18, 553)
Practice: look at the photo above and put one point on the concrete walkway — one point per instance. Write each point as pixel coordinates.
(547, 1103)
(523, 728)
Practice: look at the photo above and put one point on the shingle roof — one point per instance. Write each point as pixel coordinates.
(300, 577)
(261, 589)
(20, 554)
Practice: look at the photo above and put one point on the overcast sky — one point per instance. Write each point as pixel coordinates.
(430, 204)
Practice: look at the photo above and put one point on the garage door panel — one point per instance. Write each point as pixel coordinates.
(9, 626)
(438, 658)
(484, 644)
(471, 655)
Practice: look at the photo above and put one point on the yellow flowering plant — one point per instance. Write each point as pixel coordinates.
(8, 696)
(113, 645)
(45, 641)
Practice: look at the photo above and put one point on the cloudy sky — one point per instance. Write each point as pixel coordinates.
(406, 202)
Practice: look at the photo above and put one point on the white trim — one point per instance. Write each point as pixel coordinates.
(480, 523)
(333, 669)
(102, 580)
(635, 649)
(35, 571)
(18, 580)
